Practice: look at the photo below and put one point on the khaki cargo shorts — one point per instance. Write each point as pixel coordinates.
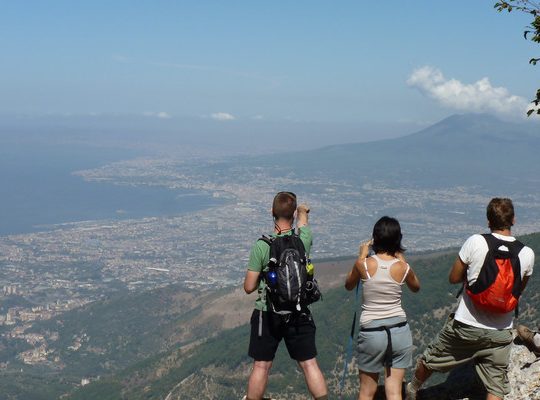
(458, 343)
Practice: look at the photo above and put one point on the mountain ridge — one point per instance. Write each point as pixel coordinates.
(468, 149)
(455, 122)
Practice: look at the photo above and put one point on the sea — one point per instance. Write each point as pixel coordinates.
(38, 189)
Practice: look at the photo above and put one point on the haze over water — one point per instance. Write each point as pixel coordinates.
(39, 190)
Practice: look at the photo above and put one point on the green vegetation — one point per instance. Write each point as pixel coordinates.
(113, 334)
(532, 32)
(32, 385)
(102, 390)
(117, 332)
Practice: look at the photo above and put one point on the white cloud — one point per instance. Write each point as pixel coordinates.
(163, 114)
(158, 114)
(222, 116)
(479, 96)
(257, 117)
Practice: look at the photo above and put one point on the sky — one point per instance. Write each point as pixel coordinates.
(352, 67)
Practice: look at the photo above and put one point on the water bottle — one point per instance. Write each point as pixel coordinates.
(310, 268)
(272, 278)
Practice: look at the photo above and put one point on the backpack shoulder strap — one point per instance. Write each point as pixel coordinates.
(273, 244)
(515, 247)
(492, 242)
(267, 239)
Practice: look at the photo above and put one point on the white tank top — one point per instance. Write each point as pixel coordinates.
(381, 294)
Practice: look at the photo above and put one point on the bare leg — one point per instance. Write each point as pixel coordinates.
(490, 396)
(422, 373)
(258, 379)
(420, 376)
(314, 378)
(368, 385)
(393, 383)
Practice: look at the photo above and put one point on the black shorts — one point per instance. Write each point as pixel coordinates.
(298, 333)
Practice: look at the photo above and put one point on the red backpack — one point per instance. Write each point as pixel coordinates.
(498, 286)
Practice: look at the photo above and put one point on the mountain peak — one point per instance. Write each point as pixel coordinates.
(465, 121)
(466, 127)
(471, 118)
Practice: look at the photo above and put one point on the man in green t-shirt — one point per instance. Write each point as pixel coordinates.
(268, 328)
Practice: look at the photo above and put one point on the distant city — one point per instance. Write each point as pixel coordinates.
(75, 264)
(68, 265)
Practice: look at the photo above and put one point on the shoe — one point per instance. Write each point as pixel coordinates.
(410, 393)
(527, 337)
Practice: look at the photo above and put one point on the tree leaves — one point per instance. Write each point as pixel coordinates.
(533, 8)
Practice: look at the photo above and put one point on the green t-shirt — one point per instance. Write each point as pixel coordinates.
(260, 255)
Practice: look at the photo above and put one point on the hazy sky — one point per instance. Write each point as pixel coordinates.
(343, 62)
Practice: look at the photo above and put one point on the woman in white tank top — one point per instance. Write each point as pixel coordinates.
(384, 339)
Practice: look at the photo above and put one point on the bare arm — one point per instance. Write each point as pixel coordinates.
(358, 271)
(458, 272)
(251, 281)
(353, 277)
(525, 278)
(412, 281)
(302, 212)
(524, 281)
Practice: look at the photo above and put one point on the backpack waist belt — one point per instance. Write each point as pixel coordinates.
(388, 352)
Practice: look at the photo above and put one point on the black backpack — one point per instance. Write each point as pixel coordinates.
(289, 287)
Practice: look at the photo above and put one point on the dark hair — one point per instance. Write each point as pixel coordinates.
(284, 205)
(500, 214)
(387, 236)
